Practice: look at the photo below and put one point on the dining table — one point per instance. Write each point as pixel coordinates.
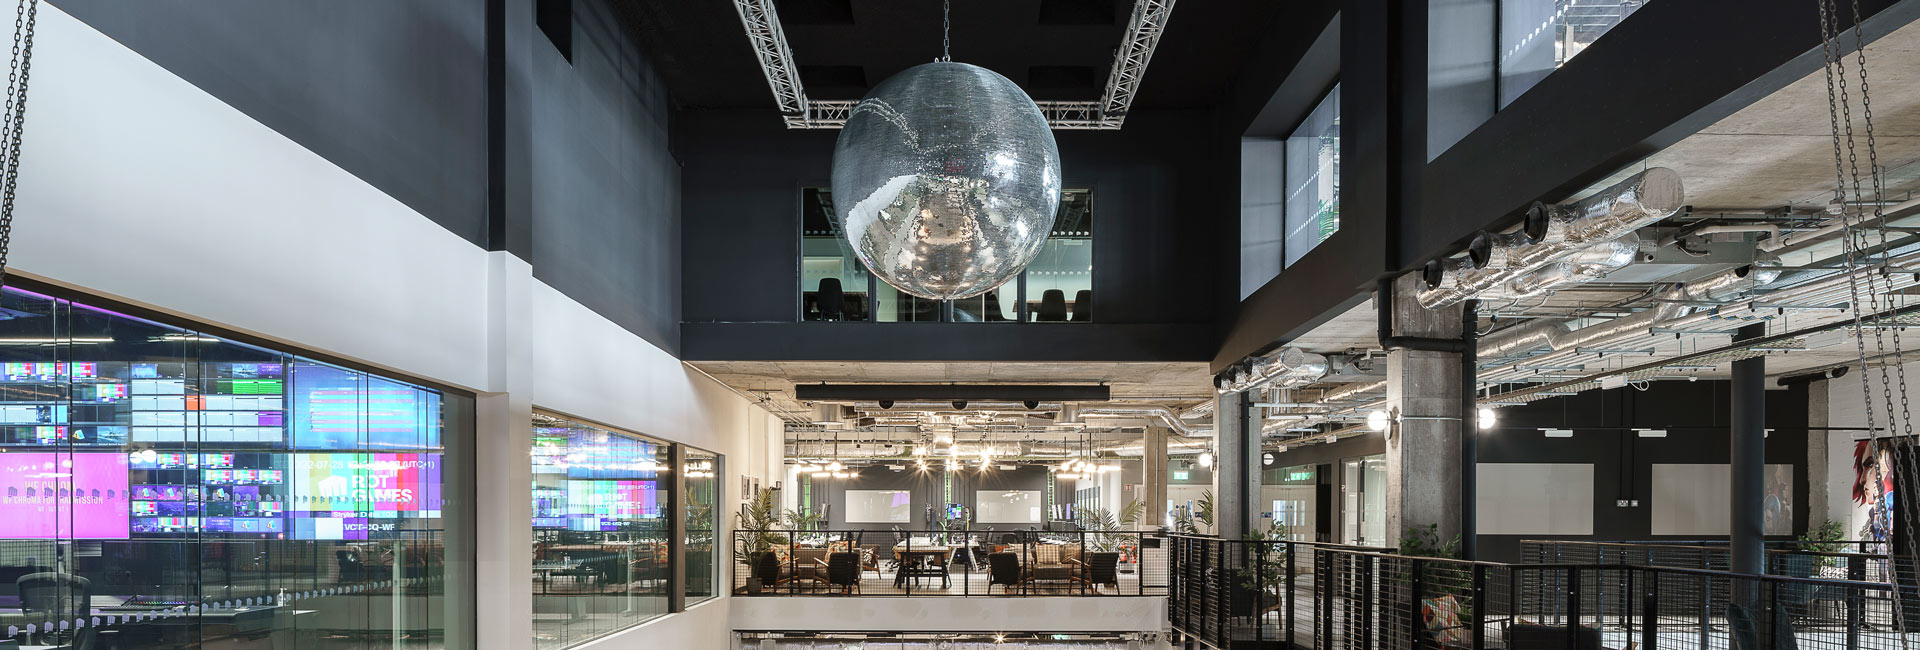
(921, 562)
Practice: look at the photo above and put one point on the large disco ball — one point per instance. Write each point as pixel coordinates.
(946, 180)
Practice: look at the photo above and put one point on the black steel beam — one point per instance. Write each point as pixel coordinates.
(951, 392)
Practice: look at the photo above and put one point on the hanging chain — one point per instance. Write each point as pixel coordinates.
(19, 67)
(946, 28)
(1841, 120)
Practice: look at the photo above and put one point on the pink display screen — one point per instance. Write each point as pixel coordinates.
(64, 496)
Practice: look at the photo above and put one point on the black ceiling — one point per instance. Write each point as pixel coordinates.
(1055, 49)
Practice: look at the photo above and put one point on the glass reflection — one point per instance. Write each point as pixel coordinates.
(1060, 279)
(170, 489)
(701, 472)
(600, 537)
(833, 283)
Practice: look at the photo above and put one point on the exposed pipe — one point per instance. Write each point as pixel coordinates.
(1285, 367)
(1555, 232)
(1796, 241)
(1558, 336)
(1165, 414)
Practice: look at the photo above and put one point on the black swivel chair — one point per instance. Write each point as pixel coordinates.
(1053, 307)
(830, 300)
(1083, 306)
(61, 597)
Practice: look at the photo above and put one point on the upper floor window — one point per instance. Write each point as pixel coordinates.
(1289, 194)
(1539, 36)
(1056, 287)
(1484, 54)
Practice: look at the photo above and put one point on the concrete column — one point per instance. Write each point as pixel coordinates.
(1153, 477)
(1236, 466)
(1423, 453)
(1818, 510)
(504, 438)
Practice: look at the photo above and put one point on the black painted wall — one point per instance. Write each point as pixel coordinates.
(605, 185)
(927, 491)
(1153, 188)
(397, 93)
(1696, 417)
(1694, 413)
(392, 92)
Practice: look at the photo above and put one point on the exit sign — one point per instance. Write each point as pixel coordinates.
(1179, 475)
(1299, 475)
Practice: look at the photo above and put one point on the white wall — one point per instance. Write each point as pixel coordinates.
(1050, 614)
(138, 186)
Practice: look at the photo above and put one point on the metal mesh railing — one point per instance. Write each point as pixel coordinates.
(1240, 594)
(949, 563)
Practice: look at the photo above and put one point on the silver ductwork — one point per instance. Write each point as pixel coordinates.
(1285, 367)
(1165, 415)
(1587, 234)
(1674, 302)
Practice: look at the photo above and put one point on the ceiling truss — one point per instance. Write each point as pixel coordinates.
(1108, 113)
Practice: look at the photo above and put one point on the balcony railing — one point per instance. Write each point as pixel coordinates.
(1240, 594)
(949, 563)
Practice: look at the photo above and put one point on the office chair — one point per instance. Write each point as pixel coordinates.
(992, 304)
(830, 300)
(59, 596)
(1053, 307)
(1083, 306)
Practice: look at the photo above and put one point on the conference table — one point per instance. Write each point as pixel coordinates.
(921, 562)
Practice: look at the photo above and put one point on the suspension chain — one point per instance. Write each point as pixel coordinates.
(1840, 118)
(19, 68)
(946, 28)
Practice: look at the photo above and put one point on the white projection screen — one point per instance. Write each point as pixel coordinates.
(1007, 506)
(1692, 499)
(1535, 499)
(879, 507)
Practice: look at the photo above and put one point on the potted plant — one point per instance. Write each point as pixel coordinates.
(756, 538)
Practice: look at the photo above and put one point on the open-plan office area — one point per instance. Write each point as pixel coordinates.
(771, 324)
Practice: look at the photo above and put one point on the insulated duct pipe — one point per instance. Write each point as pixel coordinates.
(1557, 336)
(1589, 229)
(1287, 367)
(1165, 414)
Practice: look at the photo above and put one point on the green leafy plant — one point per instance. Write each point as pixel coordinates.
(755, 523)
(1203, 510)
(804, 521)
(1426, 542)
(1106, 525)
(1267, 561)
(1825, 538)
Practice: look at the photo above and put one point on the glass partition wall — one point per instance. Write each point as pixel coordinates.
(700, 507)
(600, 502)
(165, 487)
(1056, 287)
(605, 507)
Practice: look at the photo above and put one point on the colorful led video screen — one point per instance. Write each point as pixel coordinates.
(335, 408)
(361, 496)
(64, 496)
(601, 506)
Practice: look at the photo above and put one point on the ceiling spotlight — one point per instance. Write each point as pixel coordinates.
(1487, 418)
(1031, 404)
(959, 405)
(1206, 459)
(886, 404)
(1378, 420)
(834, 466)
